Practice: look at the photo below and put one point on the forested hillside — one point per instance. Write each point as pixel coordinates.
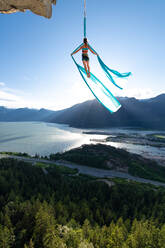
(108, 157)
(53, 209)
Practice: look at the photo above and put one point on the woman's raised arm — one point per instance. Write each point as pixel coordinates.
(92, 50)
(77, 50)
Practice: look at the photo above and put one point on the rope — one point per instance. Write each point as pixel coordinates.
(85, 17)
(85, 10)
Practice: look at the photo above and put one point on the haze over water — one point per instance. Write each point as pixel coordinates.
(46, 138)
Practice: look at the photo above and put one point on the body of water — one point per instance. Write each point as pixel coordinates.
(45, 138)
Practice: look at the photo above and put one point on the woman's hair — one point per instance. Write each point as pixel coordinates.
(85, 40)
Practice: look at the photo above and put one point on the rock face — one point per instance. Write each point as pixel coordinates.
(39, 7)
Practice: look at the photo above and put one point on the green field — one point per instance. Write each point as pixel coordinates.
(159, 136)
(58, 168)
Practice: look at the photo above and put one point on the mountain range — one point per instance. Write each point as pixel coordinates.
(147, 113)
(24, 114)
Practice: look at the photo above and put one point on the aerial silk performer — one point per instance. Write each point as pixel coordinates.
(85, 58)
(99, 90)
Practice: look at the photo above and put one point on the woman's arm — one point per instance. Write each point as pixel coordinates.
(92, 50)
(77, 50)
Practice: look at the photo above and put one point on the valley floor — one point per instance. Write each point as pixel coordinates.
(86, 170)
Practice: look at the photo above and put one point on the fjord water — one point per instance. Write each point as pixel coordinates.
(37, 137)
(45, 138)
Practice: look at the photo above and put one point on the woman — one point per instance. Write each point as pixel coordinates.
(85, 57)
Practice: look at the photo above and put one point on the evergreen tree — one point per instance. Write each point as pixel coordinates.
(161, 241)
(6, 237)
(44, 221)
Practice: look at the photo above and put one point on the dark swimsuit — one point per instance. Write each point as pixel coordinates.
(85, 55)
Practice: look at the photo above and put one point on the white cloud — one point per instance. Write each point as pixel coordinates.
(80, 92)
(139, 93)
(77, 93)
(8, 97)
(13, 98)
(2, 84)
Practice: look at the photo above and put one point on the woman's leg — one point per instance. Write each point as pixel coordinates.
(88, 67)
(85, 66)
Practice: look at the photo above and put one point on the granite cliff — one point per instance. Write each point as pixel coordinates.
(39, 7)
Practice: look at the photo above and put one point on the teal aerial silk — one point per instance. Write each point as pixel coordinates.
(98, 89)
(85, 29)
(107, 71)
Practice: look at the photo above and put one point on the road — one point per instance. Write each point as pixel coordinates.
(99, 173)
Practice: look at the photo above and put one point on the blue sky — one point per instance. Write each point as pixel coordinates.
(36, 69)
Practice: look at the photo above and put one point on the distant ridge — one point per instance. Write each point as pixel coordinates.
(24, 114)
(146, 113)
(133, 113)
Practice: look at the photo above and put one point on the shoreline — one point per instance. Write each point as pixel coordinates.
(153, 140)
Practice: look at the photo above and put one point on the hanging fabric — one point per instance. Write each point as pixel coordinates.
(98, 89)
